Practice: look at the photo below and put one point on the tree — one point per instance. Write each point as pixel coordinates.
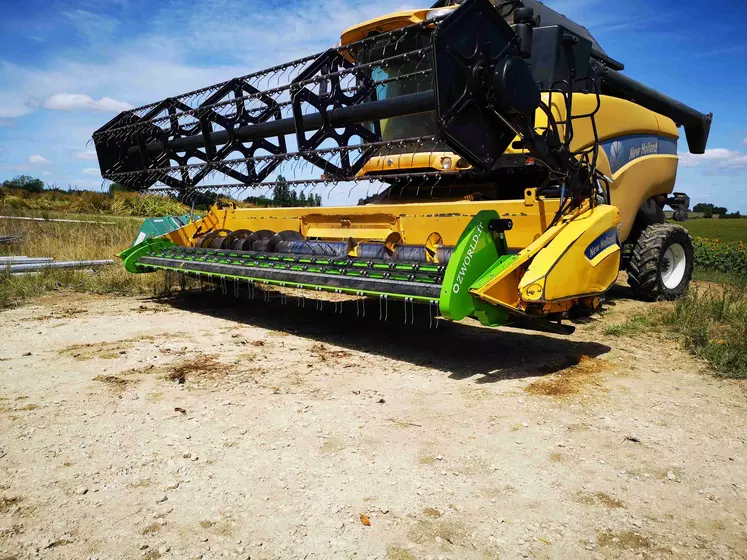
(281, 193)
(709, 209)
(25, 182)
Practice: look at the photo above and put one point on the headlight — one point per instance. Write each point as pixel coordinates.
(430, 15)
(446, 163)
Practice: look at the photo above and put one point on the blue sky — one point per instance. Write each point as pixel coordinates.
(68, 66)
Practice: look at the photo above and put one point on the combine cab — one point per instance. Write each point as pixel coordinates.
(511, 168)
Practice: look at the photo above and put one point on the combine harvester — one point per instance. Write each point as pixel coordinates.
(517, 170)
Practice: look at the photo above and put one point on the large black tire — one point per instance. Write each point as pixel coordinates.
(656, 272)
(680, 216)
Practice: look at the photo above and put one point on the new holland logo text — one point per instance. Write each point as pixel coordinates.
(607, 239)
(645, 149)
(467, 260)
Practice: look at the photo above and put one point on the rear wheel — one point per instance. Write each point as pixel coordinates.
(661, 265)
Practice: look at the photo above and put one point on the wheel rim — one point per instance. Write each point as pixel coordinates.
(673, 266)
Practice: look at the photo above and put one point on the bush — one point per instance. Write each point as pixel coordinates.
(133, 204)
(713, 254)
(14, 202)
(90, 202)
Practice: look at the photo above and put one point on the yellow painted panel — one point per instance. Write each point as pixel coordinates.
(414, 222)
(382, 24)
(667, 127)
(416, 160)
(561, 270)
(638, 181)
(615, 117)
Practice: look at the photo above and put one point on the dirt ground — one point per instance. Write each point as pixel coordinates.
(207, 427)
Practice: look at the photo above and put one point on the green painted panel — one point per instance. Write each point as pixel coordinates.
(156, 227)
(477, 250)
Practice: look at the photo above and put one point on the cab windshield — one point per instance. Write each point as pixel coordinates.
(402, 78)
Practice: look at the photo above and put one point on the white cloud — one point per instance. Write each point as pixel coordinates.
(9, 110)
(76, 101)
(94, 27)
(745, 141)
(738, 162)
(88, 155)
(47, 173)
(91, 171)
(36, 158)
(162, 63)
(719, 156)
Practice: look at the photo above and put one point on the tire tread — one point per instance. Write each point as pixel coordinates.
(643, 268)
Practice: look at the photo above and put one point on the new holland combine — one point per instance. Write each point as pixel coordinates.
(512, 169)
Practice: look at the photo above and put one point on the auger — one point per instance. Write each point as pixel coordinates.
(515, 169)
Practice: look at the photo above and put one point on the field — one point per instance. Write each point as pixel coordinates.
(194, 425)
(723, 230)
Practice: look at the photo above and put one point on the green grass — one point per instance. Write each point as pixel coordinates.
(710, 322)
(634, 325)
(718, 277)
(713, 325)
(723, 230)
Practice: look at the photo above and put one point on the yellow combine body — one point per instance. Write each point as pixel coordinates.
(513, 190)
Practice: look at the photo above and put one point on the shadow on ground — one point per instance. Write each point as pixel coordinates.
(459, 349)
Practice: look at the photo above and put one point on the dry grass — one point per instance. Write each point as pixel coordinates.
(623, 539)
(200, 366)
(599, 498)
(151, 529)
(433, 513)
(6, 503)
(112, 380)
(70, 241)
(101, 350)
(578, 378)
(326, 354)
(55, 202)
(398, 553)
